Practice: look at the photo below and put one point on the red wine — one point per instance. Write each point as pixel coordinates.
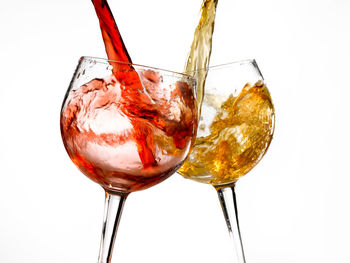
(113, 41)
(116, 50)
(132, 129)
(106, 129)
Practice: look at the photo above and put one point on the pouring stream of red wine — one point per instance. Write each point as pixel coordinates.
(140, 103)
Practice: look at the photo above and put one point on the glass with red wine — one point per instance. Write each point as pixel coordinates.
(126, 127)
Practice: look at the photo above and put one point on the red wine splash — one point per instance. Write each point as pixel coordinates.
(102, 130)
(117, 51)
(138, 103)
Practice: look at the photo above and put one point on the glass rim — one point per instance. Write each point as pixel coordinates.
(166, 71)
(238, 62)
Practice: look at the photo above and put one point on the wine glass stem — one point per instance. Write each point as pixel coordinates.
(112, 212)
(228, 203)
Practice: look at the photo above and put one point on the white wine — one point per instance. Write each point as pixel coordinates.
(199, 55)
(239, 136)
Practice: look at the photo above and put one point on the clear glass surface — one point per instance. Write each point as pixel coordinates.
(126, 127)
(234, 132)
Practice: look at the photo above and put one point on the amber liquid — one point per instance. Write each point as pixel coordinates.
(242, 129)
(239, 136)
(130, 130)
(199, 55)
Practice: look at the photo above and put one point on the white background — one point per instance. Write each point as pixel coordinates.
(293, 207)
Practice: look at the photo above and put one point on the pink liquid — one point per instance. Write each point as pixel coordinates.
(105, 127)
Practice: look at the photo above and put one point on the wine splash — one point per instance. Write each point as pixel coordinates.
(104, 127)
(133, 90)
(239, 136)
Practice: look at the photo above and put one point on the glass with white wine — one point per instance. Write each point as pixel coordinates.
(234, 132)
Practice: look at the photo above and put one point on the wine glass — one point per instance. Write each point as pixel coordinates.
(234, 132)
(126, 127)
